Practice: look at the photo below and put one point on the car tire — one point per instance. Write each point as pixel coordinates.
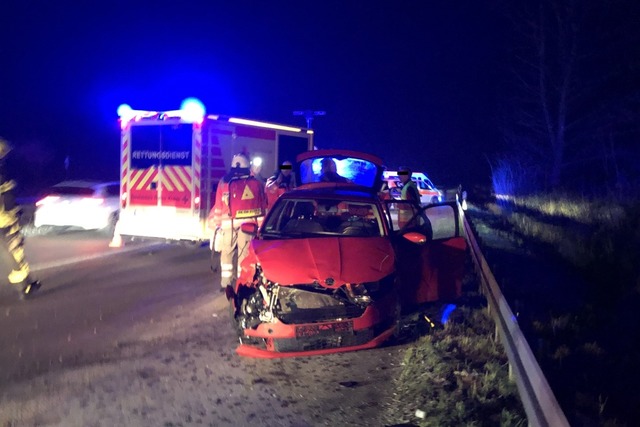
(435, 199)
(396, 337)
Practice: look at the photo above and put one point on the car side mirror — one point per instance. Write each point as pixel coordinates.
(250, 228)
(415, 237)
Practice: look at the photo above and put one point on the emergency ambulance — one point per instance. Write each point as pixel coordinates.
(428, 192)
(172, 161)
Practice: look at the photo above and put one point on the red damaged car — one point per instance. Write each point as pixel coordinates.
(330, 270)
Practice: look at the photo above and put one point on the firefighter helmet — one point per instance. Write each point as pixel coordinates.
(240, 161)
(4, 148)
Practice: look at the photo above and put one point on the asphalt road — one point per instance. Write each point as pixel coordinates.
(141, 337)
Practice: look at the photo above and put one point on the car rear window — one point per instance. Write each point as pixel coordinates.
(71, 191)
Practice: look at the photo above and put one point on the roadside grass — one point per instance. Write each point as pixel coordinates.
(578, 209)
(587, 351)
(600, 238)
(457, 375)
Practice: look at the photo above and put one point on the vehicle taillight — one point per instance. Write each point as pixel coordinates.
(47, 200)
(196, 201)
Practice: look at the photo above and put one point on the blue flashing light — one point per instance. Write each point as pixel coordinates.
(124, 110)
(193, 110)
(447, 313)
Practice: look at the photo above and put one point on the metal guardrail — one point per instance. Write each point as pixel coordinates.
(538, 400)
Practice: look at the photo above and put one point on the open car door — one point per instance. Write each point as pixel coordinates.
(430, 251)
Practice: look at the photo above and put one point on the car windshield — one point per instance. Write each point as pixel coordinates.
(71, 191)
(322, 217)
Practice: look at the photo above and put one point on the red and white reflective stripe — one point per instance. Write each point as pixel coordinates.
(141, 179)
(226, 270)
(196, 162)
(176, 178)
(125, 163)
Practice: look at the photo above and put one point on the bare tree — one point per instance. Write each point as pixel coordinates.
(573, 80)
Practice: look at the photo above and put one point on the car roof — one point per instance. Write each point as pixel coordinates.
(85, 183)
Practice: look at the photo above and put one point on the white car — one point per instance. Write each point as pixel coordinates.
(87, 205)
(428, 192)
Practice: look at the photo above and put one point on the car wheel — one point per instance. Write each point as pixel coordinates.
(397, 336)
(434, 199)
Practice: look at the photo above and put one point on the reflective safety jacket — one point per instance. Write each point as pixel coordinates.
(10, 229)
(8, 211)
(410, 192)
(238, 200)
(405, 213)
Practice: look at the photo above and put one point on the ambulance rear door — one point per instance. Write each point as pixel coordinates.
(161, 165)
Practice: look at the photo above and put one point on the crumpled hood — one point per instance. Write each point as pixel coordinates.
(345, 260)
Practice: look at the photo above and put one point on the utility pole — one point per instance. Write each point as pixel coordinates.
(309, 115)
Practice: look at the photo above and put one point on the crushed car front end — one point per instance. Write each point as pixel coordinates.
(285, 310)
(309, 319)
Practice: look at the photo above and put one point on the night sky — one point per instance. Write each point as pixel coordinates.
(413, 82)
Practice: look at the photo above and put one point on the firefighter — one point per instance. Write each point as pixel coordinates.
(239, 199)
(409, 192)
(281, 182)
(12, 254)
